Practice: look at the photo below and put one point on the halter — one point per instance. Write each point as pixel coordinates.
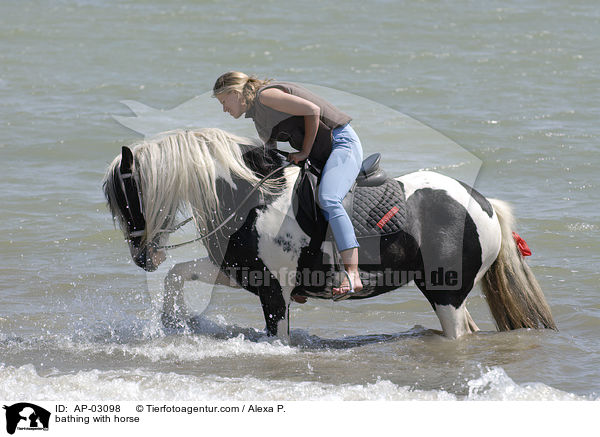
(137, 223)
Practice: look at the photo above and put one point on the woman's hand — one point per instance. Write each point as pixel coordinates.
(294, 105)
(297, 157)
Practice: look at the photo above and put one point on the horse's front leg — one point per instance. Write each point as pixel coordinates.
(275, 303)
(175, 312)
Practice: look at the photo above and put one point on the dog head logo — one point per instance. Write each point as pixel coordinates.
(26, 416)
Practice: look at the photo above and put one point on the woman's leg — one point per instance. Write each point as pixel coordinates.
(350, 260)
(339, 174)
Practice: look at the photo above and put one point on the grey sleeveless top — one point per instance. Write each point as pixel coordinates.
(273, 125)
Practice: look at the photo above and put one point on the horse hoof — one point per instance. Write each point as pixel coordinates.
(298, 298)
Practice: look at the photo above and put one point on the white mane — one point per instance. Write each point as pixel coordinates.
(177, 172)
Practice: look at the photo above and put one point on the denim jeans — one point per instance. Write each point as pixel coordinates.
(338, 176)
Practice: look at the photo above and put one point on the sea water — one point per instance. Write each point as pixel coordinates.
(512, 87)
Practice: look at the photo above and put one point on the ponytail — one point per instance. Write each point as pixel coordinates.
(246, 85)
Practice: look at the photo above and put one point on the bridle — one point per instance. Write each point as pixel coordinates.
(134, 210)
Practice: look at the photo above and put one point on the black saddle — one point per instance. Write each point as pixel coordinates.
(371, 175)
(375, 203)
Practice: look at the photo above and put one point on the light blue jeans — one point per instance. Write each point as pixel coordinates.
(338, 176)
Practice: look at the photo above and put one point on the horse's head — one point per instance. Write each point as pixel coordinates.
(124, 197)
(180, 172)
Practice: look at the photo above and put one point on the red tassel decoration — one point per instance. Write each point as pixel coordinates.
(522, 245)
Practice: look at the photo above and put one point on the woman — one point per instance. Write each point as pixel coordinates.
(285, 111)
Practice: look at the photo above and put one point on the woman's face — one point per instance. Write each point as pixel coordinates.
(232, 102)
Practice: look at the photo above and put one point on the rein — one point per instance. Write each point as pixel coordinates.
(231, 216)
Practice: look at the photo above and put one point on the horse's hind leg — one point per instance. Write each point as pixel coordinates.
(455, 322)
(472, 326)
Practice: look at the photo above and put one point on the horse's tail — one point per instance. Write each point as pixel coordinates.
(510, 288)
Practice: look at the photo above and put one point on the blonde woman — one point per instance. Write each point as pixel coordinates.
(288, 112)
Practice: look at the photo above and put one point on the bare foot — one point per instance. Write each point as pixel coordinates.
(345, 286)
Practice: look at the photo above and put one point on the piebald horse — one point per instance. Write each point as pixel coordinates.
(450, 237)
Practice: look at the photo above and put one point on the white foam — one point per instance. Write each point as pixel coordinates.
(496, 385)
(132, 385)
(581, 227)
(187, 348)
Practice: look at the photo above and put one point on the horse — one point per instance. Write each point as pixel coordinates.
(244, 203)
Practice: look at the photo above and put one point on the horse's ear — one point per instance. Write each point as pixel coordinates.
(126, 160)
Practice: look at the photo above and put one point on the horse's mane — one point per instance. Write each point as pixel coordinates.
(177, 171)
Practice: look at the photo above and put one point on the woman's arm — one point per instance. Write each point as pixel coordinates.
(294, 105)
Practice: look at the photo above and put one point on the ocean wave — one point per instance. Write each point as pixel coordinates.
(581, 227)
(135, 385)
(184, 348)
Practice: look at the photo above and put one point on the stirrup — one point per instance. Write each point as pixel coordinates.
(346, 295)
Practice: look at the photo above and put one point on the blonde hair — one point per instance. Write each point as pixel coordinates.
(246, 85)
(180, 170)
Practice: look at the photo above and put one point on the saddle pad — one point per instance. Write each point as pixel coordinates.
(378, 210)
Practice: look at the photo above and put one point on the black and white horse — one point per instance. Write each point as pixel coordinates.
(451, 237)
